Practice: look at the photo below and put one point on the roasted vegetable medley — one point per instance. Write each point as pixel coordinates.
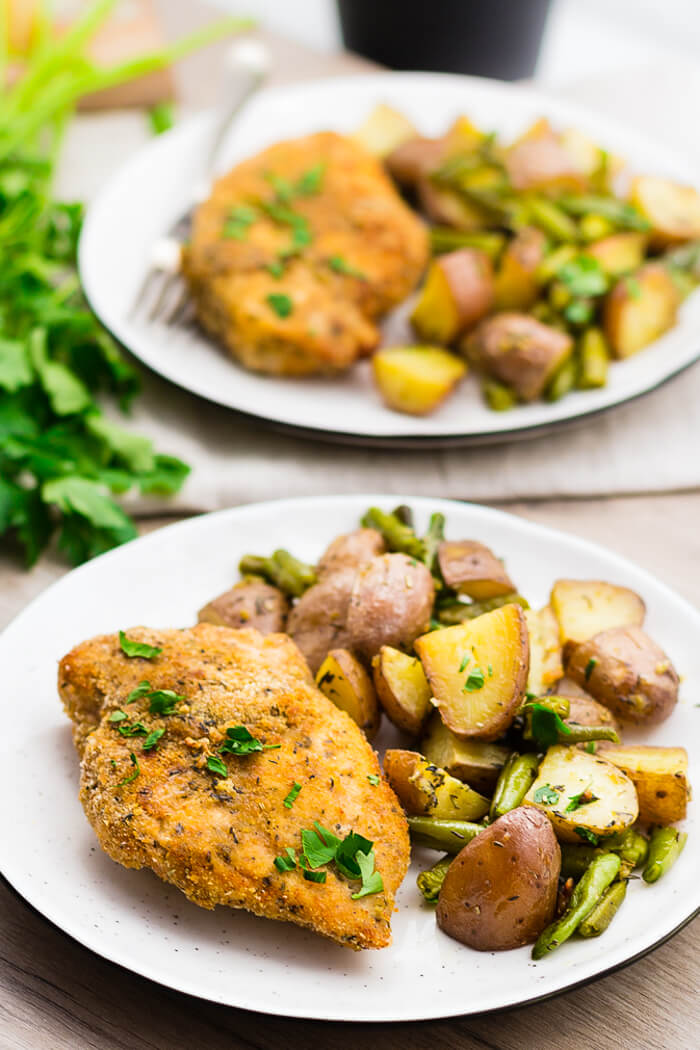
(514, 766)
(548, 261)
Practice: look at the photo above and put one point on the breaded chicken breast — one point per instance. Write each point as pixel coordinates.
(298, 251)
(212, 822)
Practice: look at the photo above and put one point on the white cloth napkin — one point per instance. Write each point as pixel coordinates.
(651, 445)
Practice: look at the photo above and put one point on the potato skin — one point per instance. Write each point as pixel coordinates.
(343, 679)
(501, 890)
(516, 286)
(640, 310)
(402, 688)
(317, 623)
(251, 603)
(416, 379)
(391, 602)
(350, 551)
(627, 671)
(518, 350)
(457, 293)
(473, 569)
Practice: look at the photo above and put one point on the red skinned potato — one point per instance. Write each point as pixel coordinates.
(501, 890)
(518, 350)
(350, 551)
(317, 623)
(457, 293)
(472, 568)
(413, 159)
(251, 603)
(392, 599)
(627, 671)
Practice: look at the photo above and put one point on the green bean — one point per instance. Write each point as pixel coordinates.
(454, 612)
(432, 540)
(430, 882)
(559, 296)
(552, 263)
(594, 357)
(665, 847)
(579, 734)
(282, 569)
(598, 920)
(500, 398)
(594, 226)
(404, 514)
(514, 782)
(684, 257)
(685, 282)
(575, 860)
(630, 845)
(561, 705)
(450, 836)
(563, 381)
(399, 537)
(552, 220)
(445, 239)
(587, 892)
(623, 215)
(579, 312)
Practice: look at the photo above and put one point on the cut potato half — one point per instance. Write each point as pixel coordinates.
(672, 210)
(585, 607)
(473, 569)
(660, 775)
(457, 293)
(583, 795)
(402, 688)
(639, 309)
(475, 762)
(416, 379)
(342, 678)
(478, 671)
(383, 131)
(545, 650)
(426, 790)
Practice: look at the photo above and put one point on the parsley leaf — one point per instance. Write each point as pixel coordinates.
(589, 668)
(141, 649)
(587, 835)
(310, 182)
(372, 881)
(163, 701)
(117, 716)
(583, 798)
(142, 689)
(545, 725)
(292, 796)
(240, 219)
(475, 681)
(161, 117)
(583, 277)
(135, 729)
(348, 853)
(373, 779)
(590, 747)
(281, 304)
(137, 770)
(217, 765)
(151, 741)
(339, 265)
(465, 660)
(319, 845)
(288, 860)
(546, 794)
(314, 876)
(240, 741)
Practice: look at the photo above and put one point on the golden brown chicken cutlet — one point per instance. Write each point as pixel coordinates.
(216, 836)
(298, 252)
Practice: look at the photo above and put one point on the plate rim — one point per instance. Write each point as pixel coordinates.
(352, 500)
(454, 438)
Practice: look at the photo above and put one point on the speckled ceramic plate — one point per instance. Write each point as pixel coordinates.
(153, 189)
(49, 854)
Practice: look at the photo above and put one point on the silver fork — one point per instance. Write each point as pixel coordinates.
(163, 295)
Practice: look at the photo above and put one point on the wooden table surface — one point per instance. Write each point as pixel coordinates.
(56, 995)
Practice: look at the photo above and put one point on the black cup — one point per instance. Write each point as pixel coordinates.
(490, 38)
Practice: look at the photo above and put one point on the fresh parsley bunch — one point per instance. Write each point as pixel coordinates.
(61, 459)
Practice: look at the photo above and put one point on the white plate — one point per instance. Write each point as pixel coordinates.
(152, 190)
(49, 854)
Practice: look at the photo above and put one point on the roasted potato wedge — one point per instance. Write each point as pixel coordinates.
(660, 775)
(583, 795)
(540, 161)
(392, 599)
(402, 688)
(384, 130)
(350, 551)
(425, 790)
(251, 603)
(317, 623)
(416, 379)
(519, 351)
(473, 569)
(414, 159)
(627, 671)
(501, 890)
(620, 253)
(478, 671)
(672, 210)
(585, 607)
(639, 309)
(457, 293)
(585, 711)
(342, 678)
(476, 762)
(516, 286)
(545, 650)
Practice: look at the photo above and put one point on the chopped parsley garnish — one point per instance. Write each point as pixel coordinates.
(137, 770)
(135, 729)
(118, 716)
(288, 860)
(163, 701)
(589, 668)
(634, 288)
(353, 857)
(239, 741)
(583, 277)
(348, 853)
(465, 660)
(217, 765)
(240, 219)
(281, 304)
(545, 725)
(152, 739)
(373, 779)
(579, 311)
(284, 190)
(276, 268)
(292, 796)
(546, 794)
(590, 747)
(475, 681)
(142, 689)
(314, 876)
(583, 798)
(130, 648)
(587, 835)
(490, 670)
(319, 845)
(371, 879)
(339, 265)
(310, 182)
